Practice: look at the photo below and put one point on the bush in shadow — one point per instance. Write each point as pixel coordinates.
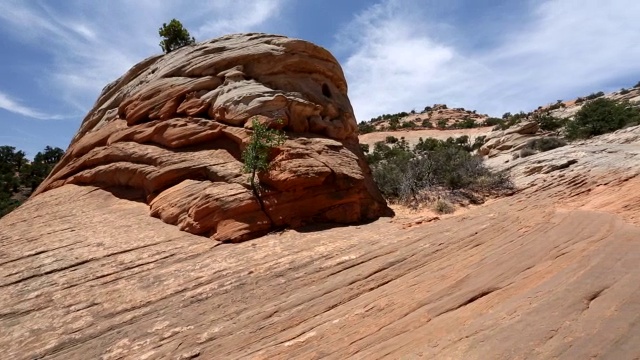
(546, 143)
(433, 169)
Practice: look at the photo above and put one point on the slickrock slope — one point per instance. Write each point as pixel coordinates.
(504, 144)
(171, 132)
(551, 272)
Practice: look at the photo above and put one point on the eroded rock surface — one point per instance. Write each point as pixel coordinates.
(171, 131)
(549, 273)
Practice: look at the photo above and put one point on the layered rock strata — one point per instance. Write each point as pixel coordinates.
(171, 131)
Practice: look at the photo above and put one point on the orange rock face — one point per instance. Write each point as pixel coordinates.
(171, 131)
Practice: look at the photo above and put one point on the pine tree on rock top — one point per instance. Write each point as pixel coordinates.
(174, 36)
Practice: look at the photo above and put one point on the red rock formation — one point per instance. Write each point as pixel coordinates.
(173, 128)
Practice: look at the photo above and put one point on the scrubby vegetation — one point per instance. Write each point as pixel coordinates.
(558, 105)
(19, 177)
(543, 144)
(434, 117)
(547, 122)
(433, 172)
(444, 174)
(546, 143)
(365, 128)
(507, 120)
(390, 117)
(601, 116)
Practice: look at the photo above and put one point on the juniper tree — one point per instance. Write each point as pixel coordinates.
(256, 155)
(174, 36)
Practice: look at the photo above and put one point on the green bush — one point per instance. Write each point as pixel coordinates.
(442, 123)
(478, 142)
(174, 36)
(432, 166)
(365, 128)
(601, 116)
(492, 121)
(442, 206)
(390, 139)
(393, 124)
(7, 204)
(559, 104)
(466, 123)
(427, 124)
(19, 177)
(255, 156)
(510, 120)
(594, 96)
(624, 91)
(549, 123)
(408, 125)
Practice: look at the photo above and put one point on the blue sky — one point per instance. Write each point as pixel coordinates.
(490, 55)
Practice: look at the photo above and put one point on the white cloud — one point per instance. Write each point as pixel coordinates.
(93, 43)
(239, 16)
(14, 106)
(559, 49)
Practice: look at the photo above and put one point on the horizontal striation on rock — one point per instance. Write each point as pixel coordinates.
(171, 132)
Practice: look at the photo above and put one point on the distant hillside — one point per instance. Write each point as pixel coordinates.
(438, 116)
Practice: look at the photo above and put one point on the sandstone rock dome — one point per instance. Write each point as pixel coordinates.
(170, 132)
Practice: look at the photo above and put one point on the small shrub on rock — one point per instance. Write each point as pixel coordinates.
(549, 123)
(408, 125)
(594, 96)
(478, 142)
(466, 123)
(442, 206)
(390, 139)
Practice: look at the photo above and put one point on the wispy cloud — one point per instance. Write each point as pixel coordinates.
(91, 44)
(239, 16)
(559, 48)
(15, 107)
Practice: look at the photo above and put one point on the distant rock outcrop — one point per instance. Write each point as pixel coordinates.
(511, 139)
(171, 131)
